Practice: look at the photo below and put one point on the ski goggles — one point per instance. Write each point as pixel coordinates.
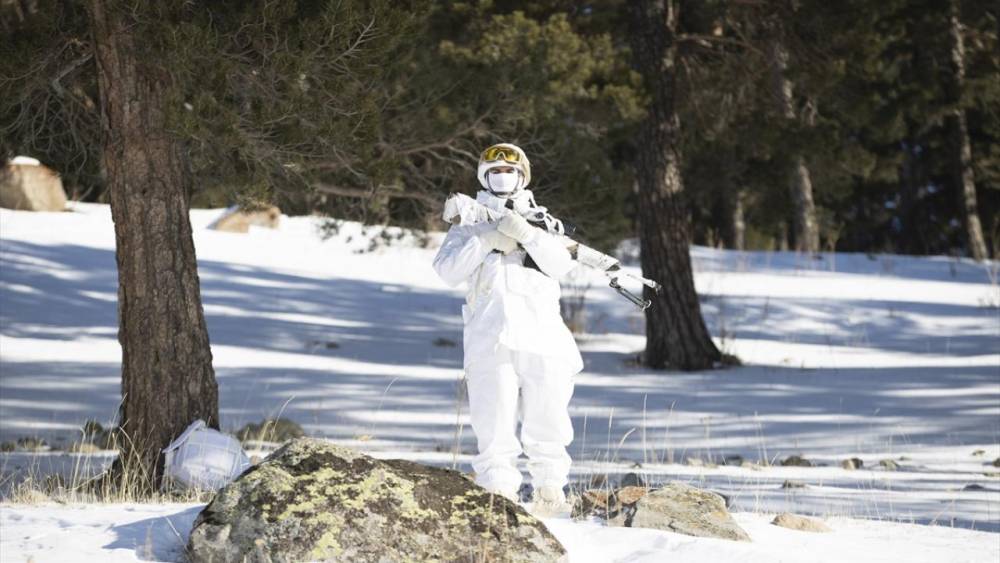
(505, 154)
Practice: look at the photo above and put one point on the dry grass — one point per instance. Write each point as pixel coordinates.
(95, 477)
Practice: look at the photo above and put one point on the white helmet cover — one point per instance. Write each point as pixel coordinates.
(522, 165)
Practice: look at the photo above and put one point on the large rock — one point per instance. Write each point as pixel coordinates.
(27, 185)
(236, 220)
(683, 509)
(315, 501)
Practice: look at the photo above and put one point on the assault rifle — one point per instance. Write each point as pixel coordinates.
(460, 209)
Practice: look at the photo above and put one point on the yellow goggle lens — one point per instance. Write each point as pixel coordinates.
(505, 154)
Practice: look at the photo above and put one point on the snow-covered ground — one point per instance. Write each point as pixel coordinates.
(874, 357)
(118, 533)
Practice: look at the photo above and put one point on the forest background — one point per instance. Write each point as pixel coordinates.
(887, 110)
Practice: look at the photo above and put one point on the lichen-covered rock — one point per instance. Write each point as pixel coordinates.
(315, 501)
(800, 523)
(683, 509)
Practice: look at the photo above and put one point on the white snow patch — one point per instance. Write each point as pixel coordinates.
(850, 355)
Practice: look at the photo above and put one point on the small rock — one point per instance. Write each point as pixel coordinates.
(801, 523)
(442, 342)
(996, 462)
(236, 220)
(889, 465)
(683, 509)
(27, 185)
(599, 498)
(632, 480)
(789, 484)
(733, 460)
(314, 345)
(270, 430)
(979, 453)
(630, 495)
(594, 502)
(796, 461)
(852, 463)
(974, 487)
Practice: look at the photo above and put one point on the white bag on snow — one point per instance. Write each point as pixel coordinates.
(204, 458)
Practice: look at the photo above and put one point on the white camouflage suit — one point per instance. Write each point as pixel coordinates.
(516, 347)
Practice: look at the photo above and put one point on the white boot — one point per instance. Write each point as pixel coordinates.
(548, 502)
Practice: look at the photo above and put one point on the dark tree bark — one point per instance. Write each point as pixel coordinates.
(167, 375)
(675, 331)
(961, 150)
(732, 201)
(804, 226)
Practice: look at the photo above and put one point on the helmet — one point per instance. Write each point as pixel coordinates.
(504, 154)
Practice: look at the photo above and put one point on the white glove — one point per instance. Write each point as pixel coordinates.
(517, 228)
(498, 241)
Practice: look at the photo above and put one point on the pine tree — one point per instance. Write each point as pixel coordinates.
(167, 376)
(254, 95)
(961, 151)
(675, 331)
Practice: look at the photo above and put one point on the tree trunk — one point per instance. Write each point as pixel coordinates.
(961, 151)
(733, 201)
(675, 331)
(737, 221)
(804, 227)
(167, 375)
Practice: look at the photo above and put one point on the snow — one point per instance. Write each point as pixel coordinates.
(25, 161)
(96, 532)
(159, 533)
(850, 355)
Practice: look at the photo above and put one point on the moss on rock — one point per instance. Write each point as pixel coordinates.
(313, 500)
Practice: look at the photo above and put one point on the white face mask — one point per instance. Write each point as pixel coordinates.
(503, 182)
